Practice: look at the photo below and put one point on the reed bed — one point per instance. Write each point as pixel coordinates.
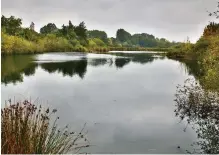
(29, 129)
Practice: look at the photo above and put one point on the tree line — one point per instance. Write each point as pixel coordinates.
(17, 39)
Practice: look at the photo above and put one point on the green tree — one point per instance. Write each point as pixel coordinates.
(49, 28)
(98, 34)
(81, 31)
(70, 25)
(122, 35)
(11, 25)
(29, 34)
(144, 40)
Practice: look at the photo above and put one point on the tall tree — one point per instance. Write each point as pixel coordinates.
(122, 35)
(70, 25)
(81, 31)
(11, 25)
(49, 28)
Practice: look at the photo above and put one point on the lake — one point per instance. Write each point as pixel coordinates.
(126, 98)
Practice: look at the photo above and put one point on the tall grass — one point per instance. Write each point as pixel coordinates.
(27, 129)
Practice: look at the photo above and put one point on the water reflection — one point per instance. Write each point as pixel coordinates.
(141, 58)
(69, 68)
(121, 62)
(200, 109)
(98, 62)
(128, 110)
(15, 67)
(193, 68)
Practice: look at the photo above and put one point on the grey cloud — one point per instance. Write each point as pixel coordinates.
(173, 19)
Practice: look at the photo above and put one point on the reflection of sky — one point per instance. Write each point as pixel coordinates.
(68, 56)
(127, 110)
(135, 52)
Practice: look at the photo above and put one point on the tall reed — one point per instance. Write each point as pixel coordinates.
(27, 129)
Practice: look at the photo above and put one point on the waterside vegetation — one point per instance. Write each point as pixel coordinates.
(29, 129)
(19, 40)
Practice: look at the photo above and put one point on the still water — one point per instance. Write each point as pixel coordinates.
(126, 99)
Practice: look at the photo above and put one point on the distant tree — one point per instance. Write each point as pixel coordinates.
(98, 34)
(81, 31)
(67, 31)
(4, 21)
(28, 34)
(11, 25)
(64, 30)
(109, 42)
(122, 35)
(114, 42)
(144, 40)
(71, 35)
(49, 28)
(70, 25)
(32, 26)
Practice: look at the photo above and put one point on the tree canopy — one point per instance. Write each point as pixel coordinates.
(49, 28)
(71, 37)
(98, 34)
(11, 25)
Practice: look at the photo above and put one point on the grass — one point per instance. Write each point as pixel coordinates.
(27, 129)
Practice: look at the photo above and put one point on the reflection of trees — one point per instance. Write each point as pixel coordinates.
(207, 74)
(121, 62)
(30, 70)
(98, 62)
(201, 109)
(12, 78)
(193, 68)
(69, 68)
(13, 68)
(141, 58)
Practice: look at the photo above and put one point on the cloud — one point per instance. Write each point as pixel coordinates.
(172, 19)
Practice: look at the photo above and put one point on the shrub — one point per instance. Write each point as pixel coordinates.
(211, 65)
(51, 43)
(14, 44)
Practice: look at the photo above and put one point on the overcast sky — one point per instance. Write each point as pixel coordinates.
(172, 19)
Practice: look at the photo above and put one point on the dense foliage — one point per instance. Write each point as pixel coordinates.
(141, 40)
(16, 39)
(205, 52)
(197, 102)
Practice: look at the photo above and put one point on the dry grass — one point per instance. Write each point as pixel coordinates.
(26, 129)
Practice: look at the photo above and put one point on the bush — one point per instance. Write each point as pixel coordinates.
(211, 65)
(51, 43)
(14, 44)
